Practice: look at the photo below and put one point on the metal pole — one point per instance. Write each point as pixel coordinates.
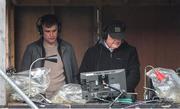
(3, 39)
(16, 88)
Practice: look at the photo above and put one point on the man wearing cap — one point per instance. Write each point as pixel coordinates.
(113, 52)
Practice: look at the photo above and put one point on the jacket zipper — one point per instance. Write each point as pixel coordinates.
(111, 54)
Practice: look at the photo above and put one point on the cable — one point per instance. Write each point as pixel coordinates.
(142, 102)
(121, 93)
(145, 81)
(150, 89)
(101, 99)
(111, 104)
(43, 98)
(111, 87)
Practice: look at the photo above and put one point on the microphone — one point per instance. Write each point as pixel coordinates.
(52, 58)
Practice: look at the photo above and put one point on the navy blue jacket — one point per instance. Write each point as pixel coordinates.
(99, 58)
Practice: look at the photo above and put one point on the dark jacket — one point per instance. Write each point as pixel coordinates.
(36, 50)
(100, 58)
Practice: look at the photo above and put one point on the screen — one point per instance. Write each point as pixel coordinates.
(103, 84)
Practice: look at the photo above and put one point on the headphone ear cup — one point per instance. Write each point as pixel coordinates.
(59, 27)
(105, 34)
(40, 30)
(39, 26)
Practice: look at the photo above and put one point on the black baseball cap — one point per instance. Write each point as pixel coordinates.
(116, 30)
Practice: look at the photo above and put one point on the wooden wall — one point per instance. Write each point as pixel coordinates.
(154, 30)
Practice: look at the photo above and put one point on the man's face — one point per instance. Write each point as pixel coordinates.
(113, 43)
(50, 34)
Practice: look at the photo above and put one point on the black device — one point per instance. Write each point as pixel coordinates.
(102, 84)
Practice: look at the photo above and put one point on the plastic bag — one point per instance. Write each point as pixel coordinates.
(39, 83)
(166, 83)
(69, 93)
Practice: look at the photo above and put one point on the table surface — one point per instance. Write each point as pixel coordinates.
(138, 104)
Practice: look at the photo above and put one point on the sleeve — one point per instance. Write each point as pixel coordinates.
(74, 65)
(86, 64)
(133, 70)
(26, 61)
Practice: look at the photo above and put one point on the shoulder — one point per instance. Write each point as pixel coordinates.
(65, 44)
(36, 45)
(127, 46)
(94, 49)
(33, 44)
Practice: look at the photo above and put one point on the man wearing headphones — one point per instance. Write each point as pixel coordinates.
(113, 52)
(62, 72)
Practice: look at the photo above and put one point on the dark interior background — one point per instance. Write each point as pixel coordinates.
(154, 30)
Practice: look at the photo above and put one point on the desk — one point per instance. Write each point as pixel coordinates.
(100, 105)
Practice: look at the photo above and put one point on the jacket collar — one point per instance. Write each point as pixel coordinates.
(41, 40)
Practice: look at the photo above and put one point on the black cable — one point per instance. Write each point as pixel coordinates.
(111, 87)
(101, 99)
(110, 105)
(120, 93)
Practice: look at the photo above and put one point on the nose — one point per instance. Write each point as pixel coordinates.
(51, 34)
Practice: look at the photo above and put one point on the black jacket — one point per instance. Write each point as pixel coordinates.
(99, 58)
(36, 50)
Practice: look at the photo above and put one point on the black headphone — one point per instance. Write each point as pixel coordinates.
(49, 20)
(105, 33)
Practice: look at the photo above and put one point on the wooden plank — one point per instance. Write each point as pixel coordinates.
(95, 2)
(10, 50)
(2, 52)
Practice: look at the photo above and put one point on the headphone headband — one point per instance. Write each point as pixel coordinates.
(48, 20)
